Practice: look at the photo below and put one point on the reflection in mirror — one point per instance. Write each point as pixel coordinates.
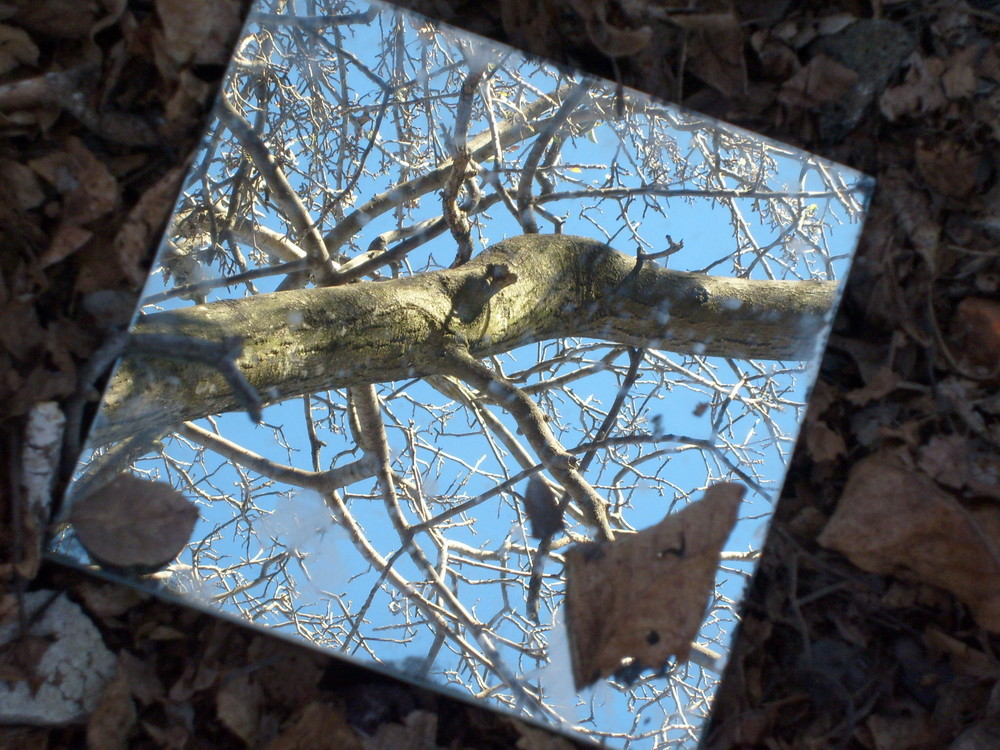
(524, 358)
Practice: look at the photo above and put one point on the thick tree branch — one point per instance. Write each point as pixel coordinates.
(310, 340)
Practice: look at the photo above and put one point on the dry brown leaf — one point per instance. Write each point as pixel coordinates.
(821, 81)
(133, 523)
(983, 735)
(131, 245)
(288, 675)
(945, 460)
(106, 600)
(902, 732)
(144, 683)
(976, 332)
(921, 91)
(22, 183)
(824, 444)
(68, 19)
(893, 520)
(16, 49)
(89, 190)
(948, 167)
(533, 738)
(778, 61)
(111, 722)
(237, 704)
(417, 732)
(642, 597)
(171, 737)
(881, 384)
(715, 51)
(965, 659)
(196, 33)
(197, 676)
(319, 726)
(612, 40)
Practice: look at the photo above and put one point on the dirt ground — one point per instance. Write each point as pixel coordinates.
(874, 620)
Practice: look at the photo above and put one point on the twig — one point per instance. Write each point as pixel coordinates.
(531, 420)
(525, 213)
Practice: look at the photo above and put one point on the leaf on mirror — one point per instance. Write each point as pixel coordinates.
(134, 524)
(640, 599)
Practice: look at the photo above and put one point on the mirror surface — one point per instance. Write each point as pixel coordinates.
(492, 311)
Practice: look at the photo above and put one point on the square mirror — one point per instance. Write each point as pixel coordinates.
(467, 366)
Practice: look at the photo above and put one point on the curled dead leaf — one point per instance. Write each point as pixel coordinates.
(976, 333)
(640, 599)
(893, 520)
(133, 523)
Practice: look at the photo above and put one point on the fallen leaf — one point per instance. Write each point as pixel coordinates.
(237, 704)
(976, 333)
(417, 732)
(894, 520)
(902, 732)
(920, 92)
(824, 444)
(16, 49)
(611, 39)
(144, 683)
(89, 190)
(111, 722)
(965, 659)
(945, 459)
(131, 245)
(133, 523)
(778, 61)
(822, 80)
(715, 53)
(25, 189)
(533, 738)
(982, 735)
(882, 383)
(640, 599)
(66, 19)
(959, 79)
(195, 33)
(948, 167)
(319, 726)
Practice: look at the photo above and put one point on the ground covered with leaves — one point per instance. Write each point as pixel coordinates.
(874, 620)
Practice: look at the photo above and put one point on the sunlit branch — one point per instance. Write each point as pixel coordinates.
(524, 199)
(320, 481)
(282, 191)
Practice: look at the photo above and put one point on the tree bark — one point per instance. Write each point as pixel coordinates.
(309, 340)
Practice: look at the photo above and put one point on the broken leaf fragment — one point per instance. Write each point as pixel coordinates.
(640, 599)
(134, 524)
